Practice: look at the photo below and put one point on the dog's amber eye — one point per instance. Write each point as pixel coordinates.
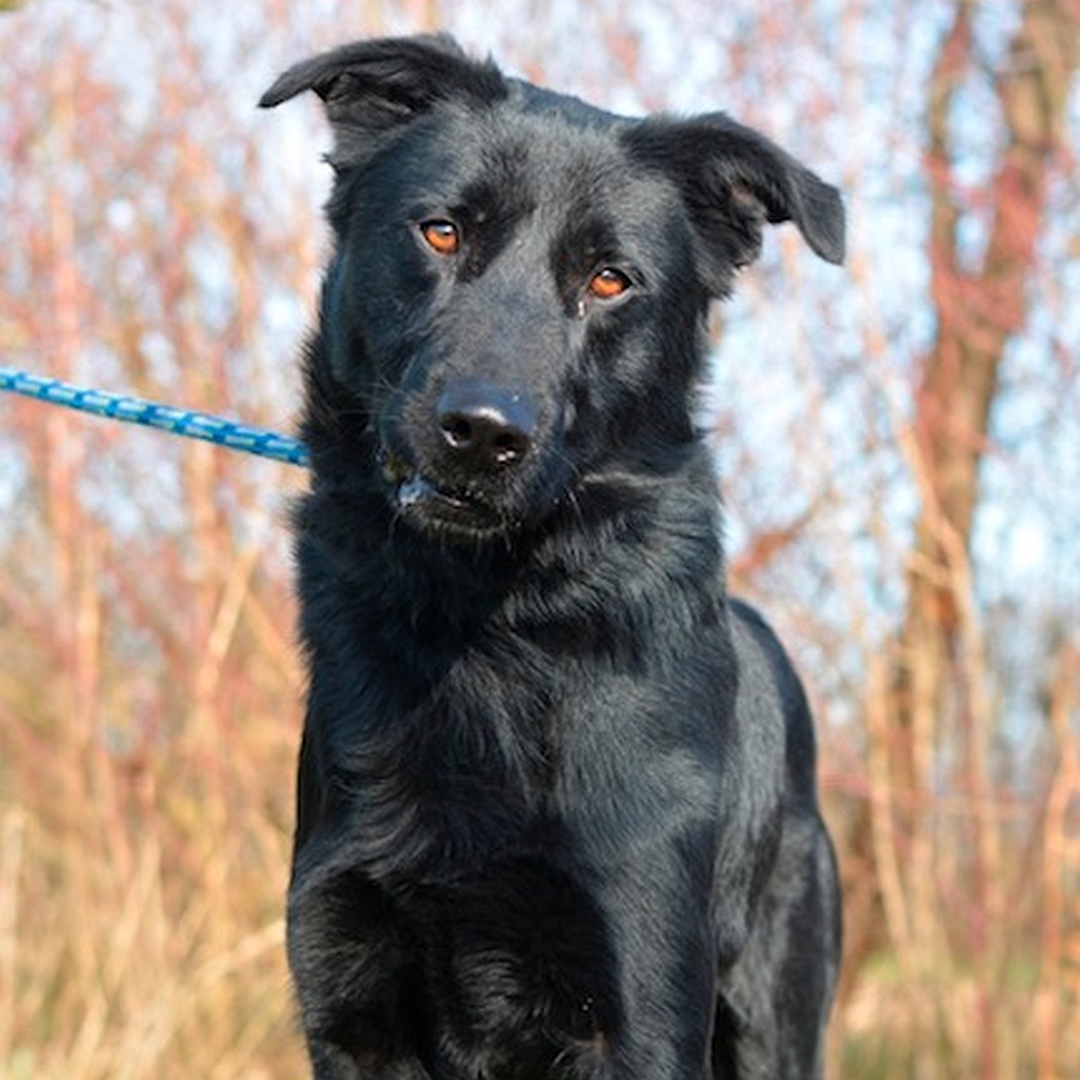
(608, 283)
(441, 236)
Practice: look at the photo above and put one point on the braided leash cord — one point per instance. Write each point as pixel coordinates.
(185, 422)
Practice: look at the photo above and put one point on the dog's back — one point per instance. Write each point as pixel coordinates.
(556, 812)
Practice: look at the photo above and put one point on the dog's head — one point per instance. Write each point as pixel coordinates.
(515, 306)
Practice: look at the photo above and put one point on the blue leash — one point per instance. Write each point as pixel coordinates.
(186, 422)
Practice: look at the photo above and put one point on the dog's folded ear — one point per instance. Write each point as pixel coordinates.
(734, 180)
(369, 87)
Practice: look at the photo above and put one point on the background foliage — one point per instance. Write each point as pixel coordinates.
(900, 448)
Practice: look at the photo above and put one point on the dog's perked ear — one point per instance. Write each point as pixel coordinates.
(370, 87)
(733, 181)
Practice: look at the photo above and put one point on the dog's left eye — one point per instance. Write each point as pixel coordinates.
(608, 283)
(441, 236)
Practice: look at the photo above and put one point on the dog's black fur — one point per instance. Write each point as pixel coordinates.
(556, 812)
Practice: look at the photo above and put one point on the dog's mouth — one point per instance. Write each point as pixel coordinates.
(440, 508)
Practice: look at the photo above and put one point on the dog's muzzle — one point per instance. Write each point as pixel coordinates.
(439, 508)
(481, 434)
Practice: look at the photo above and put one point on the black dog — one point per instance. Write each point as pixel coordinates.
(556, 812)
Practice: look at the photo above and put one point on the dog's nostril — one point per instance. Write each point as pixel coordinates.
(508, 446)
(457, 431)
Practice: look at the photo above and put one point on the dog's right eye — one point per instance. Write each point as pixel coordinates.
(441, 236)
(608, 284)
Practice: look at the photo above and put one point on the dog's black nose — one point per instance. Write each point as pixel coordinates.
(485, 426)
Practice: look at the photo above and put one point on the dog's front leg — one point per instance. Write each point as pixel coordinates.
(667, 975)
(353, 966)
(330, 1062)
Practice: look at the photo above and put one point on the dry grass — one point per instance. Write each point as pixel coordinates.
(144, 834)
(140, 928)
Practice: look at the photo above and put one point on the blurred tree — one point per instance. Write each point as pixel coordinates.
(935, 721)
(890, 441)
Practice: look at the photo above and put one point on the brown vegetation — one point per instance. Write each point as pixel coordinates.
(158, 235)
